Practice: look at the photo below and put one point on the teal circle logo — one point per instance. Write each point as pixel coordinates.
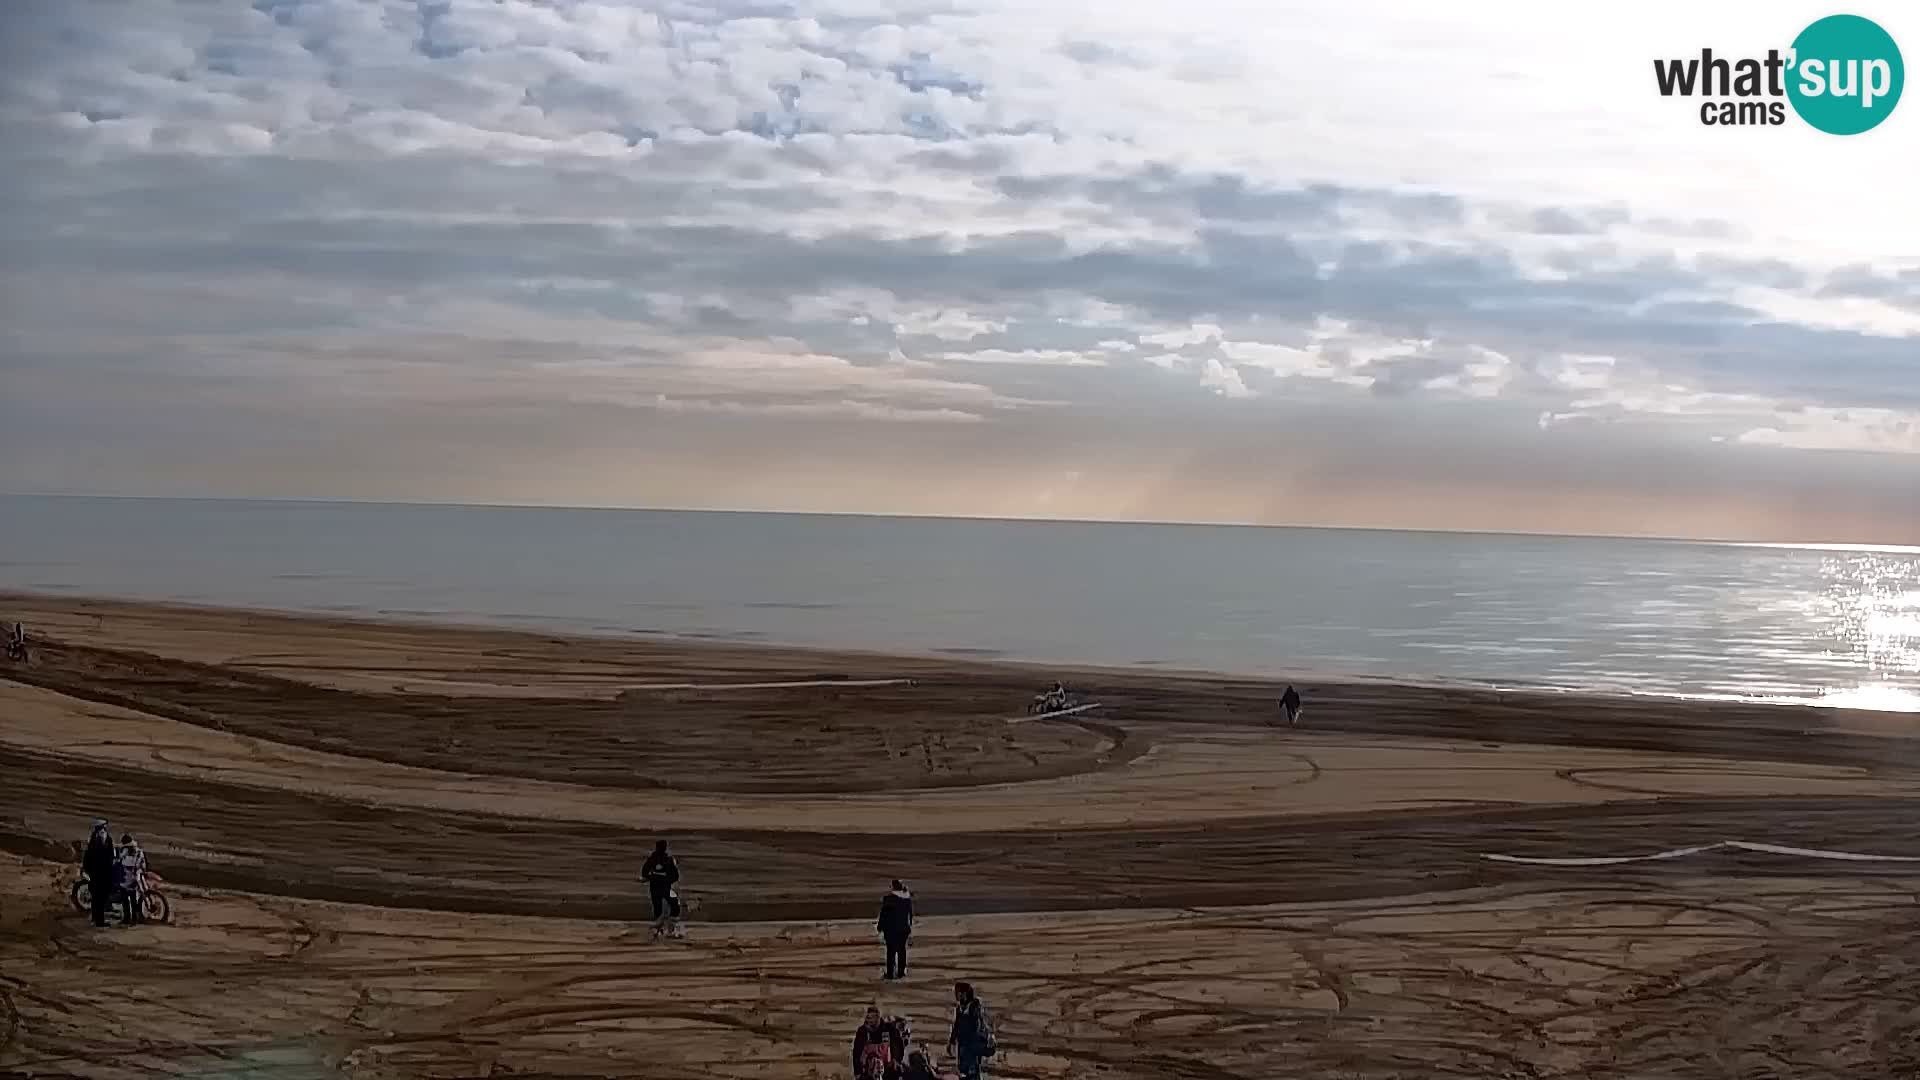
(1847, 75)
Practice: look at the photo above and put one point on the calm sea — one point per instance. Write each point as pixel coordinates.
(1833, 625)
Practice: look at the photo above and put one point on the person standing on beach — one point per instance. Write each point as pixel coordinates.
(100, 865)
(971, 1042)
(131, 866)
(662, 874)
(896, 926)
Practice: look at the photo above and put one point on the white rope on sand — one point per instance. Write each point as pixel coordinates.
(1054, 714)
(1680, 853)
(1820, 853)
(1601, 860)
(768, 685)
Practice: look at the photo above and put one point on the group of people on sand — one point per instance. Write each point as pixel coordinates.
(115, 874)
(883, 1046)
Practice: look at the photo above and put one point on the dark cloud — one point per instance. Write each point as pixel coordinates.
(1900, 288)
(1767, 273)
(1165, 192)
(1554, 221)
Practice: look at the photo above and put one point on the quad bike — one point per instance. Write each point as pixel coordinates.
(154, 906)
(1051, 701)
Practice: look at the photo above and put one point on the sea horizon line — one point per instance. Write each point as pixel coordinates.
(1194, 523)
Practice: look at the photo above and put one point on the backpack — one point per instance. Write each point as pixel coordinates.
(989, 1045)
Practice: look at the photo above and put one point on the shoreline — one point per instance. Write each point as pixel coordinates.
(539, 626)
(896, 659)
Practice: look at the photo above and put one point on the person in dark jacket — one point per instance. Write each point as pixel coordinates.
(896, 926)
(971, 1042)
(100, 864)
(662, 874)
(884, 1037)
(1290, 705)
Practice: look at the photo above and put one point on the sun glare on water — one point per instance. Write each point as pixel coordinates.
(1872, 606)
(1878, 697)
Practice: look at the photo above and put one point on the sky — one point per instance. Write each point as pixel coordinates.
(1292, 262)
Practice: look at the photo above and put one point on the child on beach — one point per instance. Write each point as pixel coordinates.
(130, 872)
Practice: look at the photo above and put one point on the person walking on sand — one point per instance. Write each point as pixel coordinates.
(896, 926)
(971, 1042)
(662, 875)
(1290, 705)
(100, 866)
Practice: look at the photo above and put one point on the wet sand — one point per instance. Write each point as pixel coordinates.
(389, 846)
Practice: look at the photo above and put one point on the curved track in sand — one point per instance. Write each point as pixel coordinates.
(1190, 776)
(1204, 814)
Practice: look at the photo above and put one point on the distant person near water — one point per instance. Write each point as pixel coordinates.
(662, 875)
(896, 926)
(1290, 705)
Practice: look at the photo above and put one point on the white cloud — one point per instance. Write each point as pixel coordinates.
(1223, 380)
(1285, 360)
(1043, 357)
(1876, 430)
(1179, 338)
(948, 325)
(843, 409)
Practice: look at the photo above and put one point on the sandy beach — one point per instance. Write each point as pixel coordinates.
(402, 850)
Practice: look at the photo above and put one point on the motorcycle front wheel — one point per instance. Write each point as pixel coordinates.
(154, 907)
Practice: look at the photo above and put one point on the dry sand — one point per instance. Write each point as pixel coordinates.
(387, 844)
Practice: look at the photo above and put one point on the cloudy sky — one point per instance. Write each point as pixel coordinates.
(1289, 261)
